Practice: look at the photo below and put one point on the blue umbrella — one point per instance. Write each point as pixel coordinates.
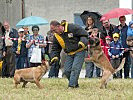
(31, 21)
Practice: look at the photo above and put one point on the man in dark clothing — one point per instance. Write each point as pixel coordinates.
(8, 68)
(106, 30)
(122, 30)
(73, 39)
(1, 45)
(54, 69)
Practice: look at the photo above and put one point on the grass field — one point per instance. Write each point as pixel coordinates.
(56, 89)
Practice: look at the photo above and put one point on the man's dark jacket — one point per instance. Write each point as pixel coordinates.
(72, 40)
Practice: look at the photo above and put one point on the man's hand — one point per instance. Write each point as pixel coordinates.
(4, 53)
(17, 52)
(119, 27)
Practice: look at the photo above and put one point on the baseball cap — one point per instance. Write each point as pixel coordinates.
(116, 35)
(21, 30)
(108, 38)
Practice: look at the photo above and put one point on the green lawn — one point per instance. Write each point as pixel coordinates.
(56, 89)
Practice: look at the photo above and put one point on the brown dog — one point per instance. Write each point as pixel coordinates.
(33, 74)
(100, 60)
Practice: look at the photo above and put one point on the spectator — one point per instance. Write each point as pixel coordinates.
(54, 70)
(26, 33)
(73, 39)
(1, 45)
(89, 25)
(8, 68)
(90, 65)
(130, 34)
(26, 36)
(34, 40)
(106, 30)
(20, 50)
(107, 46)
(115, 53)
(122, 29)
(130, 43)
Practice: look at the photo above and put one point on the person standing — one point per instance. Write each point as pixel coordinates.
(107, 29)
(2, 30)
(8, 68)
(26, 37)
(116, 53)
(73, 39)
(35, 40)
(90, 65)
(130, 43)
(122, 30)
(105, 48)
(54, 69)
(20, 50)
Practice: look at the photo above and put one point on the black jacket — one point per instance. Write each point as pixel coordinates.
(73, 40)
(23, 50)
(104, 33)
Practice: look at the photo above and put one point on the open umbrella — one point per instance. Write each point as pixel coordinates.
(95, 15)
(32, 20)
(116, 13)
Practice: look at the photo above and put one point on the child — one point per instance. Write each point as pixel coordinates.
(106, 46)
(90, 65)
(19, 48)
(115, 53)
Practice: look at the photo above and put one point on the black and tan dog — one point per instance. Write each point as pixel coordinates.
(33, 74)
(100, 60)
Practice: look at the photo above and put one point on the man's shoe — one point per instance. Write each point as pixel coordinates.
(77, 86)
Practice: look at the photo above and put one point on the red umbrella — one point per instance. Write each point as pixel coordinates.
(115, 13)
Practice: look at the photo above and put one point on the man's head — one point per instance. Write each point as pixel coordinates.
(6, 25)
(106, 23)
(56, 27)
(122, 19)
(0, 25)
(25, 30)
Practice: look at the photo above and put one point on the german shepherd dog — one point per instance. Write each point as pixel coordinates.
(33, 74)
(100, 60)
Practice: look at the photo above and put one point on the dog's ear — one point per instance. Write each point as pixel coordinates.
(97, 41)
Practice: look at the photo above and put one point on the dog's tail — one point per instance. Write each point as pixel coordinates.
(121, 65)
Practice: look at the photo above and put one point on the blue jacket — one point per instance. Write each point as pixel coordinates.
(123, 34)
(113, 50)
(130, 30)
